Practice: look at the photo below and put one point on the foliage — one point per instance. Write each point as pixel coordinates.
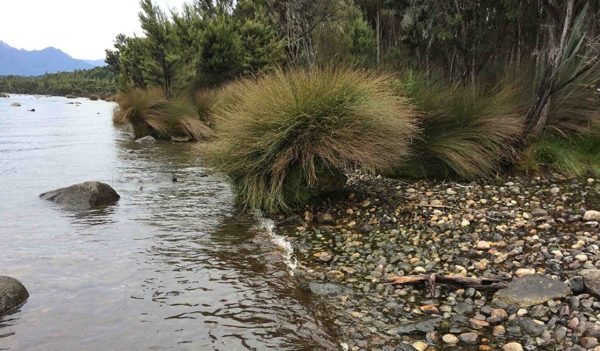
(573, 156)
(97, 81)
(163, 57)
(126, 61)
(466, 131)
(575, 102)
(261, 47)
(220, 53)
(283, 132)
(150, 113)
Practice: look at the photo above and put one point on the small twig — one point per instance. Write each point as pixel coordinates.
(431, 282)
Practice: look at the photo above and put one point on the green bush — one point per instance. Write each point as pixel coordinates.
(466, 131)
(288, 135)
(151, 114)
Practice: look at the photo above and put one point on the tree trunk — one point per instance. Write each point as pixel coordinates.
(537, 115)
(378, 30)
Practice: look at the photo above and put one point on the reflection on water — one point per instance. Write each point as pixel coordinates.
(171, 267)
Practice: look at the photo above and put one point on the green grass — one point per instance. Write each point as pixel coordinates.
(467, 131)
(151, 114)
(571, 156)
(288, 135)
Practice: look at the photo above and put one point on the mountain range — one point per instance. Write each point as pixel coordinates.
(21, 62)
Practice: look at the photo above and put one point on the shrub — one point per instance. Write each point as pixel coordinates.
(288, 135)
(151, 114)
(467, 131)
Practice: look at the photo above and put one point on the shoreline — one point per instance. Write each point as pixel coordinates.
(351, 246)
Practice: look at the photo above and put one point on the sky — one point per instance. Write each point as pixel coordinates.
(81, 28)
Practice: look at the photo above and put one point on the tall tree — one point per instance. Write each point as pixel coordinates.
(161, 44)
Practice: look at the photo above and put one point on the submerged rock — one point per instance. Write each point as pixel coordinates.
(15, 104)
(148, 139)
(328, 289)
(423, 326)
(83, 196)
(532, 290)
(12, 294)
(3, 95)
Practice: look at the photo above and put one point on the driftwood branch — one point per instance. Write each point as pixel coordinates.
(432, 279)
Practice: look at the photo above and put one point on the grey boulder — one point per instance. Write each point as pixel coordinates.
(591, 280)
(83, 196)
(531, 290)
(12, 294)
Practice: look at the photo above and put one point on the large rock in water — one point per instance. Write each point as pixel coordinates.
(532, 290)
(591, 280)
(83, 196)
(12, 294)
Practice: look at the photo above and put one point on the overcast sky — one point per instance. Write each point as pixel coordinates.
(81, 28)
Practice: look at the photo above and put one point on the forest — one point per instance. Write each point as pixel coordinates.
(291, 94)
(99, 81)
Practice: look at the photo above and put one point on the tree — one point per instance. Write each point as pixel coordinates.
(220, 52)
(164, 56)
(260, 44)
(127, 60)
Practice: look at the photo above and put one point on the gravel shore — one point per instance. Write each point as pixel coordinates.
(538, 236)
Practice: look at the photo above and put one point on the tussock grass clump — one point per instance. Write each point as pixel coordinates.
(150, 113)
(466, 131)
(287, 135)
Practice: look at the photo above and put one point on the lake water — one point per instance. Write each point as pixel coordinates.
(171, 267)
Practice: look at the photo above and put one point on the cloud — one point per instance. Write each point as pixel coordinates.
(83, 29)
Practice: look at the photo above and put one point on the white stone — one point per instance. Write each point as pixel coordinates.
(483, 245)
(450, 339)
(591, 216)
(521, 272)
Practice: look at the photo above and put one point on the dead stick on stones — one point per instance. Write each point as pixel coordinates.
(432, 279)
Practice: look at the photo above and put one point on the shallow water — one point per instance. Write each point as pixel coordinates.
(170, 267)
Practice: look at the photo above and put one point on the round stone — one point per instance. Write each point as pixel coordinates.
(450, 339)
(512, 346)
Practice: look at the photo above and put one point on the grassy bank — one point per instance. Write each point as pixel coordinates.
(287, 136)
